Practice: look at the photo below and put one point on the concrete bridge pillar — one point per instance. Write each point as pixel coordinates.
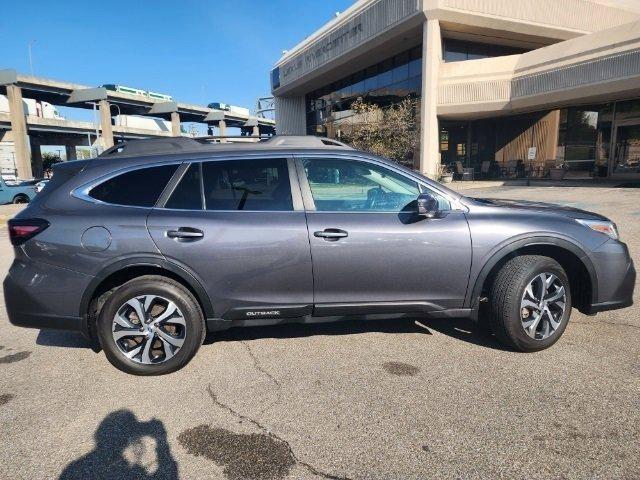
(105, 124)
(71, 152)
(175, 124)
(36, 157)
(19, 132)
(222, 127)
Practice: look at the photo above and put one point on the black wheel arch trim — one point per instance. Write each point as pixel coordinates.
(516, 244)
(147, 261)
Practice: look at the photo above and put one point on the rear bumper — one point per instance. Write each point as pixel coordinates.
(616, 278)
(38, 295)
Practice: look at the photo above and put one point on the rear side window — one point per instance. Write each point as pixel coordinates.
(260, 184)
(137, 188)
(187, 194)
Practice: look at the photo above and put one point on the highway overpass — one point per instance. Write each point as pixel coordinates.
(28, 132)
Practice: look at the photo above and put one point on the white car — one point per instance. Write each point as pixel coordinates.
(40, 185)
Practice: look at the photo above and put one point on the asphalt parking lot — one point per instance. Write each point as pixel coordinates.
(379, 400)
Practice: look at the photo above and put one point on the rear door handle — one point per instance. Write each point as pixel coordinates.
(331, 234)
(185, 234)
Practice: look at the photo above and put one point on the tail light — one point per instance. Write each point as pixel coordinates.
(22, 230)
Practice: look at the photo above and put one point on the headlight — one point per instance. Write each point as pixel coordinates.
(602, 226)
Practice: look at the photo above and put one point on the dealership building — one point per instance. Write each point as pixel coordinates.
(501, 87)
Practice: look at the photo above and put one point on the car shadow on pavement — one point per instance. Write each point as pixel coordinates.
(61, 338)
(458, 328)
(126, 448)
(466, 330)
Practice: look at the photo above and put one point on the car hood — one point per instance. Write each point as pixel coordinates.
(539, 207)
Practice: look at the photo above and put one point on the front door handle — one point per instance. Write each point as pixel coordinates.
(185, 234)
(331, 234)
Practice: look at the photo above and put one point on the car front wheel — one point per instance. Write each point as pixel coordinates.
(530, 303)
(150, 325)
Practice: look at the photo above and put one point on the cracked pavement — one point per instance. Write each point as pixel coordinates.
(374, 400)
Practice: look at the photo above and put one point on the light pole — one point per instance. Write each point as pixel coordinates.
(31, 57)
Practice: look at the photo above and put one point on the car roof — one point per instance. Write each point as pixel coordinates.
(188, 145)
(172, 149)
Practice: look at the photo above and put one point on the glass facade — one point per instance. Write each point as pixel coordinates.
(584, 134)
(460, 50)
(384, 83)
(600, 139)
(587, 140)
(626, 143)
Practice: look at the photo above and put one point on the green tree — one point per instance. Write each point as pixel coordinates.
(49, 159)
(390, 132)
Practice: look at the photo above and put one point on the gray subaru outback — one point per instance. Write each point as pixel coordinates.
(153, 244)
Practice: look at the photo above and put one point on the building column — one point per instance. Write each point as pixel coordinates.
(175, 124)
(222, 127)
(256, 131)
(431, 59)
(105, 124)
(19, 132)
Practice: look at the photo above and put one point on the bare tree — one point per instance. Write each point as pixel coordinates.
(390, 132)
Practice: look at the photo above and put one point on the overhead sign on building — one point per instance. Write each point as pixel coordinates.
(367, 24)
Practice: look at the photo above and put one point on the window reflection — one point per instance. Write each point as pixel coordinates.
(461, 50)
(385, 83)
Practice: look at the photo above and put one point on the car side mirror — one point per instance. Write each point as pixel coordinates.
(427, 205)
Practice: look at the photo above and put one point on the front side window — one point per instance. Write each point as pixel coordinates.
(259, 185)
(136, 188)
(340, 185)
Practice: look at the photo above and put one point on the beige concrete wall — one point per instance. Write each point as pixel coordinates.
(540, 21)
(598, 65)
(559, 19)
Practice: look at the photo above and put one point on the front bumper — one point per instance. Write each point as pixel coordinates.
(616, 277)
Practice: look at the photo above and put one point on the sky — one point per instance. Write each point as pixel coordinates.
(196, 51)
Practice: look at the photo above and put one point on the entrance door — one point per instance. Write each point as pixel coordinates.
(238, 226)
(627, 150)
(371, 252)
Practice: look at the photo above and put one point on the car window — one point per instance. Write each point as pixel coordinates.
(139, 188)
(256, 184)
(187, 195)
(355, 186)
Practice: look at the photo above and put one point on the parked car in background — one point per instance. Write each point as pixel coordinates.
(153, 244)
(22, 192)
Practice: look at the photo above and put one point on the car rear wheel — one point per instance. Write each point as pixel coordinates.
(151, 325)
(530, 303)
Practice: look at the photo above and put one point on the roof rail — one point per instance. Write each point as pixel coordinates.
(304, 141)
(151, 145)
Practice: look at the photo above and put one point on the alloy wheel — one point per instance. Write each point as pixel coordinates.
(149, 329)
(543, 306)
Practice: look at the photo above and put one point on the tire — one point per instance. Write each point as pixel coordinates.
(183, 326)
(20, 198)
(512, 320)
